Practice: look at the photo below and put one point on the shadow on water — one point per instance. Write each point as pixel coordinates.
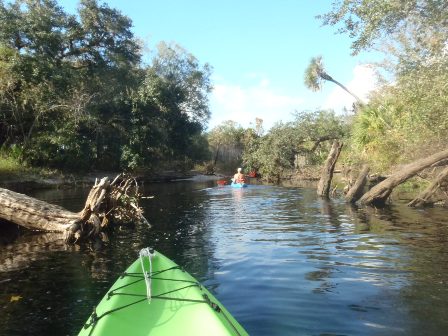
(33, 265)
(283, 261)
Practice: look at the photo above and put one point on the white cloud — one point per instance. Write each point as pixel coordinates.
(258, 98)
(244, 104)
(363, 82)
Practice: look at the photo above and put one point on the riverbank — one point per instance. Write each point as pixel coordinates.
(12, 174)
(18, 177)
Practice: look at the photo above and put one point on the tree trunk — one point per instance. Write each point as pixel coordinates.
(323, 187)
(356, 191)
(425, 197)
(378, 195)
(34, 214)
(216, 156)
(107, 202)
(327, 77)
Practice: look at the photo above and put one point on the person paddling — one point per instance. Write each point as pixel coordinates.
(238, 177)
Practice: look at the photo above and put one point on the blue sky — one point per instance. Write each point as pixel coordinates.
(259, 51)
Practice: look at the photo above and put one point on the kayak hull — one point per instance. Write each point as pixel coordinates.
(179, 305)
(239, 185)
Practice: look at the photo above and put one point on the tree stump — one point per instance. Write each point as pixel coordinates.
(356, 191)
(323, 187)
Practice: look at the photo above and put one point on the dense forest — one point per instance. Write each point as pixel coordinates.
(75, 94)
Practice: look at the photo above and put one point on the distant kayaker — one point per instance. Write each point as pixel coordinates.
(239, 176)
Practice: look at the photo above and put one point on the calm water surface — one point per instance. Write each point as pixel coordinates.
(281, 260)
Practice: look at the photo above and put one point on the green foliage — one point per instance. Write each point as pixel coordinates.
(375, 138)
(227, 144)
(199, 151)
(275, 152)
(312, 78)
(75, 95)
(406, 119)
(322, 125)
(168, 111)
(67, 147)
(9, 163)
(187, 82)
(372, 21)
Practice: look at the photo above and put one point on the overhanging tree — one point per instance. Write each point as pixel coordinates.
(315, 74)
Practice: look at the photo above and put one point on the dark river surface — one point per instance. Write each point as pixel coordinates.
(283, 262)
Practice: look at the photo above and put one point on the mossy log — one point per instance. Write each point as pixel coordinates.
(378, 195)
(107, 202)
(324, 184)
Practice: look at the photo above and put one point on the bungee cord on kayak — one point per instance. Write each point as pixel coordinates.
(148, 276)
(149, 253)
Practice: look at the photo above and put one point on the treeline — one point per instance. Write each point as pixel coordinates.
(406, 116)
(75, 93)
(284, 148)
(404, 119)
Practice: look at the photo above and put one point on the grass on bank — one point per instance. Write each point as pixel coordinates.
(10, 167)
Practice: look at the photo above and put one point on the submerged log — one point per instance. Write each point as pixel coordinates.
(425, 197)
(323, 187)
(107, 202)
(356, 191)
(378, 195)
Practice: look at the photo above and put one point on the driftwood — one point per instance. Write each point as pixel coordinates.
(323, 187)
(34, 214)
(378, 195)
(107, 202)
(424, 198)
(355, 191)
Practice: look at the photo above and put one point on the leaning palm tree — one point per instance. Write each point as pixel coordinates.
(315, 73)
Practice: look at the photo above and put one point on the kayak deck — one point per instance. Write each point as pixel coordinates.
(179, 305)
(239, 185)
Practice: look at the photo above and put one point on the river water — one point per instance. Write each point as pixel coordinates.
(283, 262)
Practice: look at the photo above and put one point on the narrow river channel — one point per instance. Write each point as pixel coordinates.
(283, 262)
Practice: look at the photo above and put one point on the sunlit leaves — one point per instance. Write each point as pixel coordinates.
(369, 22)
(406, 120)
(312, 78)
(15, 298)
(275, 152)
(187, 82)
(315, 73)
(227, 143)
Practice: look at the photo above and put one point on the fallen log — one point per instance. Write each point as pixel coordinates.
(355, 192)
(378, 195)
(324, 184)
(34, 214)
(107, 202)
(424, 198)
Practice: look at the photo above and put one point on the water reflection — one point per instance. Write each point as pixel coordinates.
(283, 261)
